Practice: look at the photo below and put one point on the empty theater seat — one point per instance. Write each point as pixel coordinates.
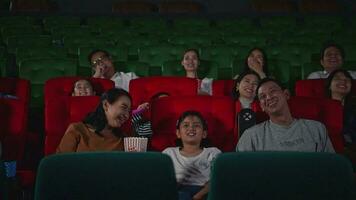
(142, 89)
(223, 87)
(219, 112)
(57, 94)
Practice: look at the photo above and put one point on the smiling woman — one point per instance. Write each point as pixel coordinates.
(100, 130)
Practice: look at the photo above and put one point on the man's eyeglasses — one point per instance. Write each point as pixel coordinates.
(100, 60)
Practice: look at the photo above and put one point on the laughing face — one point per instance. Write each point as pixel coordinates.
(102, 65)
(340, 85)
(190, 61)
(191, 131)
(332, 59)
(255, 60)
(273, 99)
(118, 112)
(83, 88)
(247, 86)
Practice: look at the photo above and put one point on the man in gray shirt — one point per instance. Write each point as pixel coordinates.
(282, 132)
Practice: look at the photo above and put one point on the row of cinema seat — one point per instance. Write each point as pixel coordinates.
(219, 110)
(150, 176)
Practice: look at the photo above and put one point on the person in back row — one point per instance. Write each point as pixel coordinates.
(103, 67)
(256, 61)
(282, 132)
(191, 62)
(332, 57)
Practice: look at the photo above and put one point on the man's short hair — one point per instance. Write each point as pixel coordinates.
(106, 53)
(332, 44)
(265, 80)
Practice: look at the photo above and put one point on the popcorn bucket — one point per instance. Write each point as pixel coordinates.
(135, 144)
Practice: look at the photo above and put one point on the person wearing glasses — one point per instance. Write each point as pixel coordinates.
(282, 132)
(103, 67)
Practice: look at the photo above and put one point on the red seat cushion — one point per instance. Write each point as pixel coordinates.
(223, 87)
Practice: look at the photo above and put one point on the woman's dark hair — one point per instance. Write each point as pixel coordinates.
(205, 141)
(265, 65)
(329, 44)
(328, 92)
(194, 50)
(236, 94)
(98, 118)
(106, 53)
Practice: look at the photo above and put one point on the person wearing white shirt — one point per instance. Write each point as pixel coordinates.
(331, 58)
(103, 67)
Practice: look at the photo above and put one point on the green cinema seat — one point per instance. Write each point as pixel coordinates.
(278, 22)
(19, 20)
(3, 62)
(310, 67)
(29, 41)
(15, 30)
(192, 40)
(73, 43)
(54, 21)
(141, 69)
(25, 53)
(243, 25)
(40, 70)
(157, 55)
(250, 40)
(99, 23)
(191, 23)
(147, 25)
(281, 175)
(224, 55)
(206, 69)
(60, 32)
(106, 175)
(282, 71)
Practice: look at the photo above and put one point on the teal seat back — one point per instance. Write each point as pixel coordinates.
(28, 41)
(40, 53)
(106, 175)
(282, 175)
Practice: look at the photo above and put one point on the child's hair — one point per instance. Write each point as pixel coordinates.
(204, 142)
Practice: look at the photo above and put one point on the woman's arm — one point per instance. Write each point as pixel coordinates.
(70, 140)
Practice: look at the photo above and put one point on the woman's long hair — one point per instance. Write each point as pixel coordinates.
(97, 119)
(265, 63)
(236, 94)
(328, 92)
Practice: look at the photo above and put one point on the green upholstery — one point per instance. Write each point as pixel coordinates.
(310, 67)
(104, 22)
(61, 32)
(278, 22)
(135, 43)
(195, 41)
(157, 55)
(3, 67)
(40, 70)
(281, 175)
(224, 55)
(191, 23)
(106, 175)
(350, 65)
(146, 25)
(250, 40)
(54, 21)
(29, 41)
(73, 43)
(282, 71)
(141, 69)
(15, 30)
(236, 25)
(18, 20)
(206, 69)
(25, 53)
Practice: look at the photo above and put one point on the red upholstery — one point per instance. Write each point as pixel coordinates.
(327, 111)
(79, 107)
(57, 94)
(222, 87)
(17, 87)
(219, 112)
(142, 89)
(313, 88)
(13, 117)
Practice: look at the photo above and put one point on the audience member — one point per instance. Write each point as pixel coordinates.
(256, 61)
(332, 57)
(339, 87)
(83, 87)
(103, 67)
(282, 132)
(191, 160)
(191, 62)
(100, 130)
(142, 125)
(245, 88)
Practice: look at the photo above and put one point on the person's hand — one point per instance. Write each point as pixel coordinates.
(198, 197)
(144, 106)
(256, 64)
(99, 71)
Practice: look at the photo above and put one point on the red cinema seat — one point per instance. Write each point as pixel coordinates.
(219, 112)
(17, 87)
(222, 87)
(13, 128)
(57, 94)
(80, 107)
(327, 111)
(142, 89)
(313, 88)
